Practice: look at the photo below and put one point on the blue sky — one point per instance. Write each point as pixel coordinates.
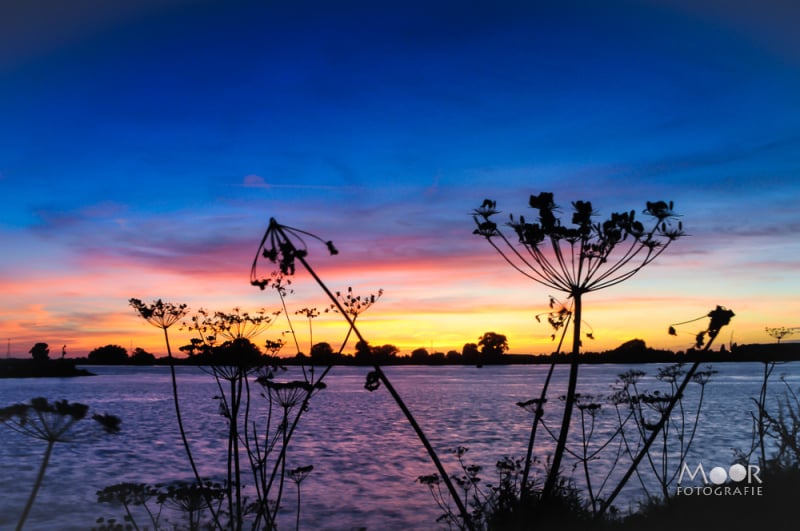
(144, 147)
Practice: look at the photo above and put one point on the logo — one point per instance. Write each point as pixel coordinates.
(737, 480)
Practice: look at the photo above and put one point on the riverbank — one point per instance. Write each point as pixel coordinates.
(18, 368)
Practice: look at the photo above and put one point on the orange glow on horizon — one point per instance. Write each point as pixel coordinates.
(438, 303)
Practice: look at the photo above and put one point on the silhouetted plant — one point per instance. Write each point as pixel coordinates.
(51, 423)
(784, 426)
(354, 305)
(164, 315)
(267, 447)
(132, 495)
(297, 475)
(501, 505)
(559, 318)
(468, 495)
(589, 409)
(645, 408)
(284, 396)
(310, 314)
(718, 318)
(760, 417)
(576, 260)
(285, 247)
(291, 399)
(225, 338)
(192, 499)
(181, 499)
(780, 332)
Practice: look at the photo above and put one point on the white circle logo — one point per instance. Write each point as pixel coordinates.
(737, 473)
(717, 475)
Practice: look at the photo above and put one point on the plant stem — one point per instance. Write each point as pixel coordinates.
(762, 404)
(569, 403)
(664, 418)
(382, 377)
(538, 417)
(297, 523)
(183, 431)
(36, 485)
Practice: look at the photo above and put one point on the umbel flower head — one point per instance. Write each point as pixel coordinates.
(283, 246)
(51, 422)
(718, 317)
(289, 394)
(159, 314)
(583, 255)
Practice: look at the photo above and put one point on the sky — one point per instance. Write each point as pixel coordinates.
(144, 147)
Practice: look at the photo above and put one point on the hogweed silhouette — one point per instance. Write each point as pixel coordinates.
(164, 315)
(52, 423)
(780, 332)
(298, 475)
(576, 259)
(231, 357)
(286, 248)
(679, 380)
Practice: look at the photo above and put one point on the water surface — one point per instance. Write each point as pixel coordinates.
(366, 457)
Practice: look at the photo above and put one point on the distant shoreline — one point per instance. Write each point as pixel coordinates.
(29, 368)
(633, 352)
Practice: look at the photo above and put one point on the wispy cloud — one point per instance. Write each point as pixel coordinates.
(256, 181)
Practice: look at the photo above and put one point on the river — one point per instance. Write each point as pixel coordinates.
(366, 457)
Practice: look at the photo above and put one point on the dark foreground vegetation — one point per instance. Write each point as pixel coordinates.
(773, 510)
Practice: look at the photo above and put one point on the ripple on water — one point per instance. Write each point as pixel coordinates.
(366, 457)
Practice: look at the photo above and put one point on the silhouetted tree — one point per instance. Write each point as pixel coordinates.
(577, 259)
(470, 353)
(493, 346)
(40, 352)
(108, 354)
(436, 358)
(141, 357)
(419, 355)
(322, 354)
(195, 348)
(239, 352)
(363, 354)
(385, 354)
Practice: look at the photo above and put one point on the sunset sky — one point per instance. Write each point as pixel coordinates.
(144, 146)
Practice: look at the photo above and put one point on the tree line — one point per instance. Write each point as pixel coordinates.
(490, 349)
